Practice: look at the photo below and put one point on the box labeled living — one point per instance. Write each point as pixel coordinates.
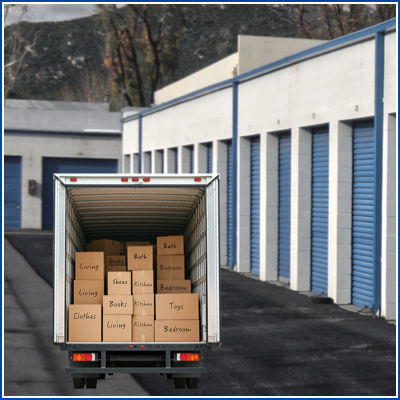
(139, 258)
(142, 281)
(89, 265)
(119, 282)
(171, 267)
(143, 304)
(84, 323)
(177, 331)
(170, 245)
(107, 246)
(174, 286)
(88, 291)
(118, 304)
(143, 328)
(116, 260)
(177, 306)
(117, 328)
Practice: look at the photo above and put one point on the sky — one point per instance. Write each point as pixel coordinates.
(50, 12)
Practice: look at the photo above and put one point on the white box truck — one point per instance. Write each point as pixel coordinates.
(138, 207)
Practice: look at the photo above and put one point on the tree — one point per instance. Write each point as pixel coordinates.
(140, 42)
(16, 46)
(329, 21)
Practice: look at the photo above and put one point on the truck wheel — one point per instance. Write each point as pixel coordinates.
(192, 383)
(91, 383)
(79, 383)
(180, 383)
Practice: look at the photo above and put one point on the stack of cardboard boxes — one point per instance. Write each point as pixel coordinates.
(177, 310)
(114, 293)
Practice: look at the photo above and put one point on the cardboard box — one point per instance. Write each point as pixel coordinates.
(115, 268)
(143, 304)
(118, 304)
(119, 282)
(109, 247)
(177, 331)
(84, 323)
(88, 291)
(142, 282)
(170, 245)
(115, 260)
(171, 267)
(142, 328)
(174, 286)
(89, 265)
(117, 328)
(140, 258)
(177, 306)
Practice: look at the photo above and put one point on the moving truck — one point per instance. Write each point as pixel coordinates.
(138, 208)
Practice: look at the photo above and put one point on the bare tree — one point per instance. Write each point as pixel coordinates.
(16, 46)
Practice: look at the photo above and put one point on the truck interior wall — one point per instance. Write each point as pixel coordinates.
(195, 238)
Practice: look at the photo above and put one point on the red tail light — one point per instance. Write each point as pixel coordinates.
(197, 179)
(135, 179)
(187, 357)
(146, 179)
(72, 179)
(83, 357)
(124, 179)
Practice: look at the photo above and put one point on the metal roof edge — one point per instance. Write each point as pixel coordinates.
(313, 51)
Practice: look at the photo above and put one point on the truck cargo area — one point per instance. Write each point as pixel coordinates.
(137, 208)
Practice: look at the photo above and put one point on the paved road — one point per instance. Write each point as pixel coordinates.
(276, 342)
(33, 366)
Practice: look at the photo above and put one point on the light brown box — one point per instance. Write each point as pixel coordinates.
(171, 267)
(177, 306)
(136, 243)
(88, 291)
(119, 282)
(115, 268)
(109, 247)
(143, 328)
(177, 331)
(174, 286)
(117, 328)
(118, 304)
(143, 304)
(140, 258)
(89, 265)
(142, 282)
(170, 245)
(84, 323)
(115, 260)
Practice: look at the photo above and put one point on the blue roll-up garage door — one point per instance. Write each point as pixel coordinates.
(363, 229)
(209, 158)
(229, 204)
(284, 206)
(319, 210)
(12, 192)
(255, 205)
(67, 165)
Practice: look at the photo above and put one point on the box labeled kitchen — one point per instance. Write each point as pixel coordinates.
(143, 281)
(170, 245)
(143, 304)
(119, 282)
(116, 260)
(89, 265)
(84, 323)
(88, 291)
(171, 267)
(177, 306)
(118, 304)
(117, 328)
(143, 328)
(176, 330)
(174, 286)
(140, 258)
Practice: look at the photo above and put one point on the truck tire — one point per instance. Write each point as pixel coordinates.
(91, 383)
(192, 383)
(180, 383)
(79, 383)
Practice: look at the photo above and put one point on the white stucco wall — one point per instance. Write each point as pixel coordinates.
(33, 147)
